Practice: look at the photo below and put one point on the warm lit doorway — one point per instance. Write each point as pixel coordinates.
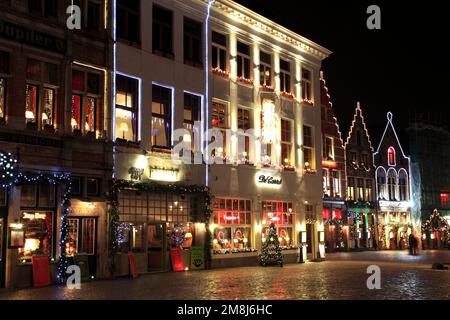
(83, 240)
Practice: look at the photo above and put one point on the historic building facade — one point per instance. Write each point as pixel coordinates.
(333, 175)
(430, 151)
(231, 71)
(361, 205)
(54, 128)
(393, 191)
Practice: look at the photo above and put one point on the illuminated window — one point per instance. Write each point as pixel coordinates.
(308, 147)
(32, 103)
(162, 32)
(265, 69)
(41, 92)
(38, 227)
(306, 85)
(85, 100)
(381, 183)
(351, 188)
(360, 189)
(285, 76)
(391, 185)
(161, 116)
(192, 112)
(219, 51)
(244, 123)
(403, 185)
(219, 118)
(281, 214)
(126, 108)
(328, 148)
(368, 190)
(81, 237)
(243, 60)
(444, 200)
(192, 42)
(391, 156)
(286, 142)
(326, 182)
(336, 183)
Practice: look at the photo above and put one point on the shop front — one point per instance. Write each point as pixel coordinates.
(436, 231)
(244, 207)
(334, 227)
(362, 227)
(157, 211)
(394, 229)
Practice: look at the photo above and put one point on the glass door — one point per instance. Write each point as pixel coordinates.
(156, 242)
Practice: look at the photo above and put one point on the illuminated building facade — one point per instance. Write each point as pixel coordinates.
(393, 191)
(187, 64)
(54, 120)
(333, 175)
(361, 205)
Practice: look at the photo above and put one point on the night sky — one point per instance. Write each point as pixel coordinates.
(403, 67)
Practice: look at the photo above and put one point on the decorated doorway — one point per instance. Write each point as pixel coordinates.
(83, 241)
(436, 232)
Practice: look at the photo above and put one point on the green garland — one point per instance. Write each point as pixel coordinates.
(436, 222)
(113, 211)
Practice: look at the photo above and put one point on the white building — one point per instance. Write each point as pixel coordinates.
(258, 75)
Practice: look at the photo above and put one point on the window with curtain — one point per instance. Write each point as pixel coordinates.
(126, 108)
(161, 116)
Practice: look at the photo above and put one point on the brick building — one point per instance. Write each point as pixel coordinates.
(54, 100)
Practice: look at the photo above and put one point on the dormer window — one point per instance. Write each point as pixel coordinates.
(391, 156)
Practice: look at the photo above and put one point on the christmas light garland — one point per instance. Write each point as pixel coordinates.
(11, 176)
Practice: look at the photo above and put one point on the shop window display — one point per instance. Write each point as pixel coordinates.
(38, 228)
(279, 213)
(233, 231)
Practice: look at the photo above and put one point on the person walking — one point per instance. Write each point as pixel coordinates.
(411, 240)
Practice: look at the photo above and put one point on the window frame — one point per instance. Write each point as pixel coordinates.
(127, 11)
(166, 116)
(219, 48)
(307, 85)
(264, 67)
(86, 94)
(308, 147)
(286, 144)
(188, 47)
(160, 48)
(285, 77)
(133, 109)
(290, 217)
(242, 58)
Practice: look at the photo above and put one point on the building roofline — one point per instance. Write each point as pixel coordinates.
(254, 20)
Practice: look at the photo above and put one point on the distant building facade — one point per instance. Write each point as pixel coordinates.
(360, 175)
(393, 190)
(333, 174)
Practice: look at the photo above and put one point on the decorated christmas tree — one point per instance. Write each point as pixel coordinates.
(271, 250)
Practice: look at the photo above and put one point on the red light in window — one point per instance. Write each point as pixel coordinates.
(326, 214)
(336, 214)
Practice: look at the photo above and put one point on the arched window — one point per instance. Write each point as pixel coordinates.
(403, 185)
(391, 156)
(392, 177)
(381, 182)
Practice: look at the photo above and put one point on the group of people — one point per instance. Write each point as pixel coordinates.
(413, 244)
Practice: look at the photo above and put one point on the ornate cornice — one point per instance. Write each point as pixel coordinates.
(250, 18)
